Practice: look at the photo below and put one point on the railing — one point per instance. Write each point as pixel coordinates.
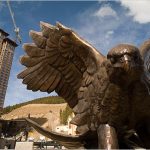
(45, 144)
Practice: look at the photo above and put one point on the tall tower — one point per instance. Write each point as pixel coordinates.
(7, 47)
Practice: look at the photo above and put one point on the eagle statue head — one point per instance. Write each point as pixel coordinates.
(126, 59)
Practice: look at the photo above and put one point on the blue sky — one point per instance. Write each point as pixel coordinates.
(103, 23)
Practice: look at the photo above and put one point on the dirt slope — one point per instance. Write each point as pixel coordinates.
(49, 112)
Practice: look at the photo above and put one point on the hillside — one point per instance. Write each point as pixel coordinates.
(35, 111)
(44, 100)
(38, 108)
(48, 112)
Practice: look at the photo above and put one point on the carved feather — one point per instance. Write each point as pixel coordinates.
(52, 53)
(35, 83)
(30, 76)
(46, 29)
(80, 119)
(55, 83)
(43, 79)
(51, 44)
(145, 53)
(26, 72)
(33, 51)
(81, 107)
(50, 80)
(30, 62)
(38, 39)
(53, 59)
(63, 29)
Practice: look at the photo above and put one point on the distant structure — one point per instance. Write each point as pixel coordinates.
(7, 47)
(69, 129)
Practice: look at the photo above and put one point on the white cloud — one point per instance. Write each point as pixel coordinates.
(105, 11)
(139, 9)
(105, 33)
(98, 30)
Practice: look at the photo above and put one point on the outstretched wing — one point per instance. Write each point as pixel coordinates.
(60, 60)
(145, 52)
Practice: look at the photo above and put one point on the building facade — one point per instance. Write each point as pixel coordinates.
(7, 47)
(69, 129)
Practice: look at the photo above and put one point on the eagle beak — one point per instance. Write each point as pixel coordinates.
(127, 62)
(127, 59)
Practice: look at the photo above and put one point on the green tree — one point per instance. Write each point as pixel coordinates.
(65, 114)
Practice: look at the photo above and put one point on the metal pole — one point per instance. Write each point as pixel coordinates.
(16, 29)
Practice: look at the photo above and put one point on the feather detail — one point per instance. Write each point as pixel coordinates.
(81, 107)
(46, 28)
(33, 51)
(30, 62)
(80, 119)
(55, 83)
(26, 72)
(49, 81)
(38, 39)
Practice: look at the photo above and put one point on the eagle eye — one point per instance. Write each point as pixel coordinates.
(112, 60)
(121, 59)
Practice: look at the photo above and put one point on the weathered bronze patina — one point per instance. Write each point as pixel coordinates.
(109, 95)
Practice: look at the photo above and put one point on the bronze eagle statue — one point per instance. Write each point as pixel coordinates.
(110, 96)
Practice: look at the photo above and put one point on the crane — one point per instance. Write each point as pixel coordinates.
(16, 29)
